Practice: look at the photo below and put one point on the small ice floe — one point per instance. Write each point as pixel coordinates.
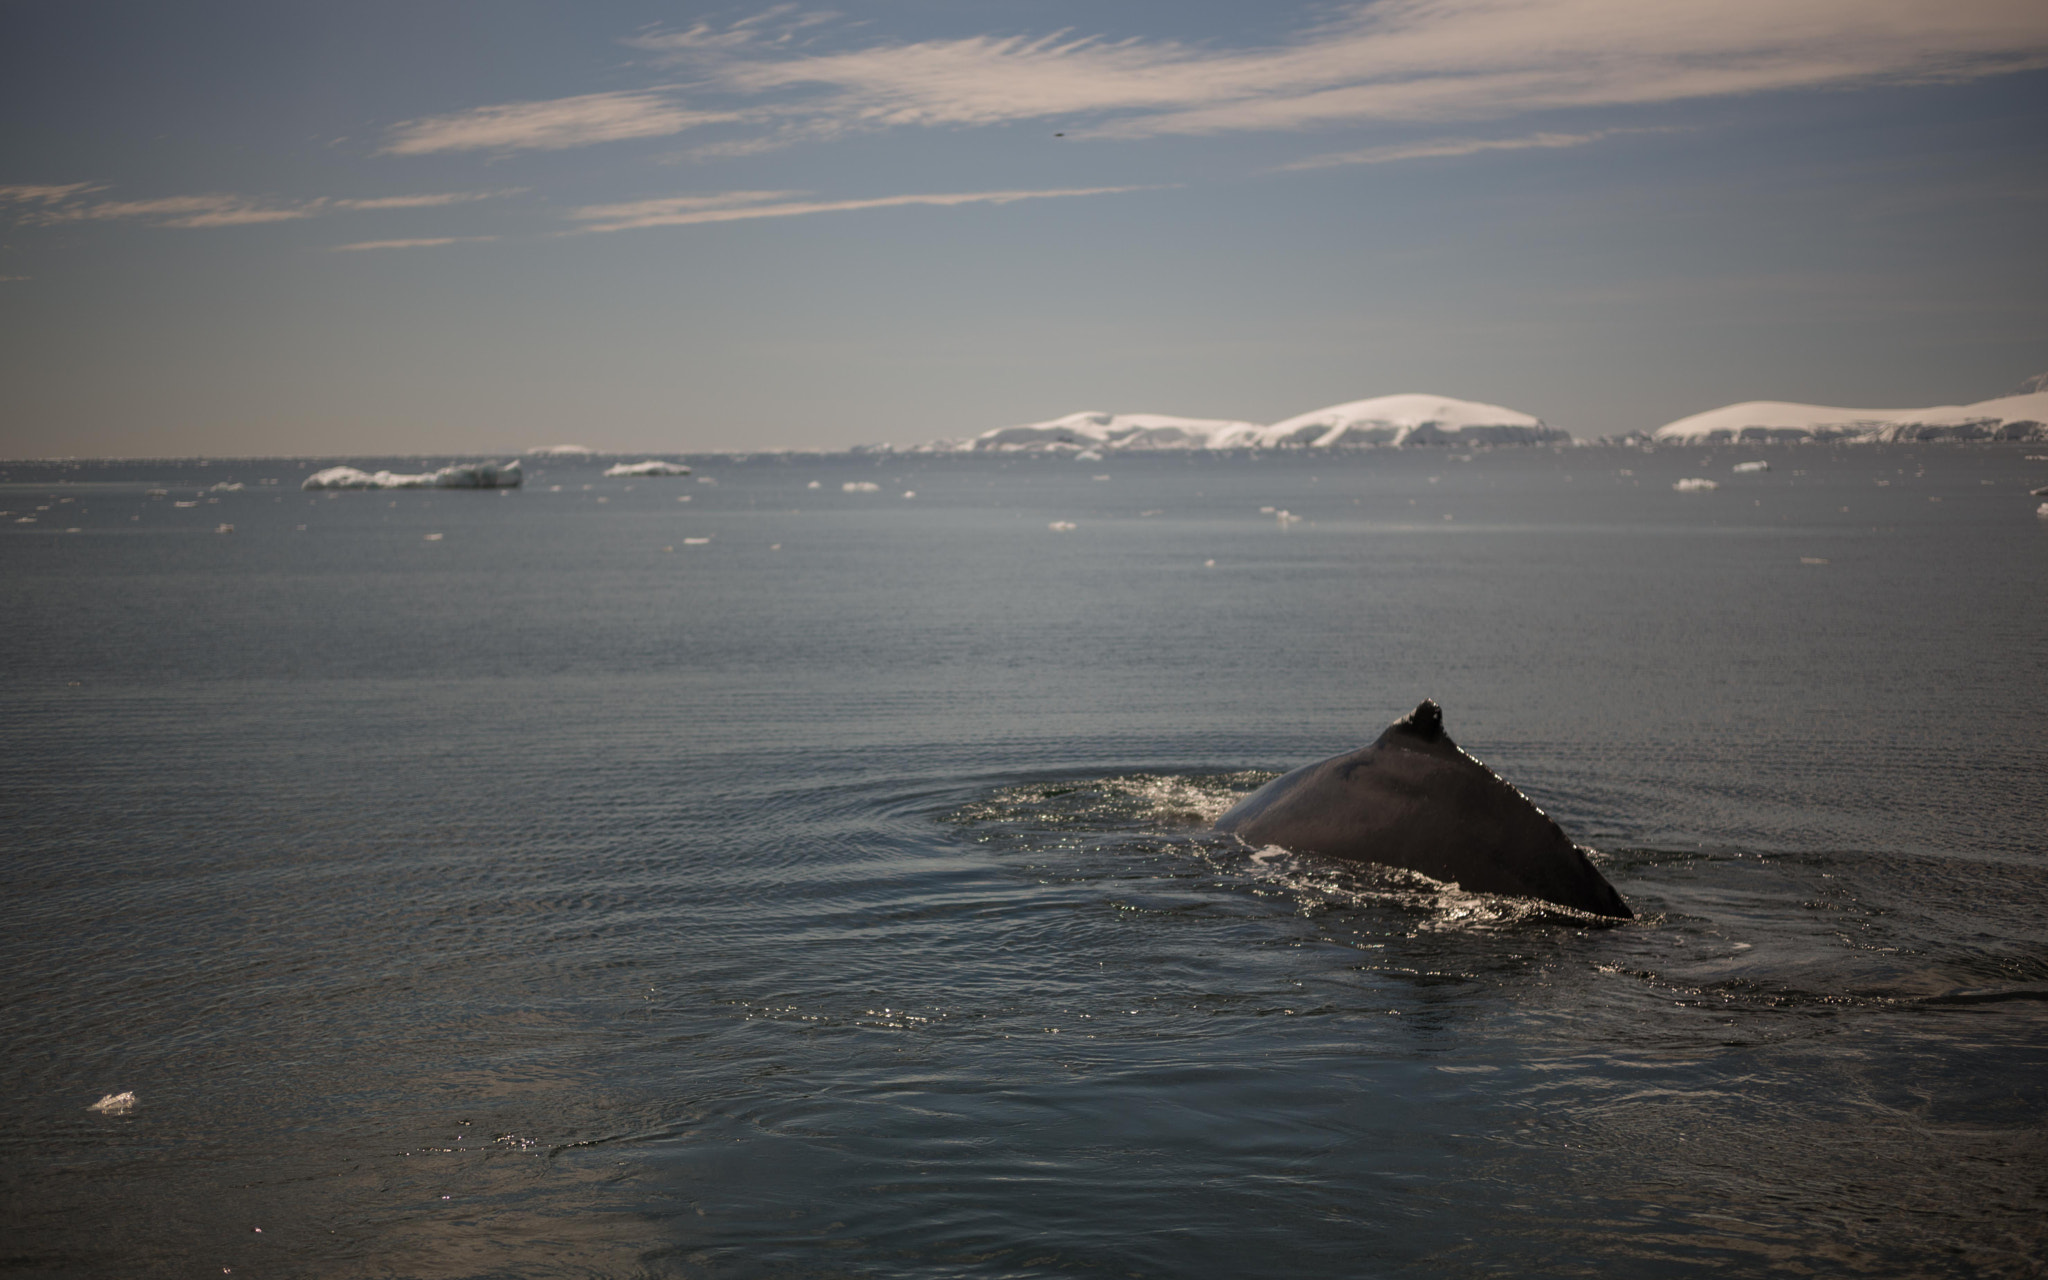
(695, 542)
(467, 475)
(1208, 564)
(682, 497)
(707, 480)
(114, 1104)
(559, 451)
(1063, 526)
(434, 537)
(651, 467)
(227, 486)
(1743, 468)
(193, 503)
(25, 520)
(1288, 517)
(910, 493)
(1813, 560)
(158, 493)
(1098, 477)
(1267, 511)
(1694, 484)
(1088, 455)
(861, 486)
(223, 528)
(2042, 511)
(814, 485)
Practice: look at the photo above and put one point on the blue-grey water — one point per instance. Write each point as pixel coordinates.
(736, 876)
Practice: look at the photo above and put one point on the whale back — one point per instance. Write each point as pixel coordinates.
(1414, 799)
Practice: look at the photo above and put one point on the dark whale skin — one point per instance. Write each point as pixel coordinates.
(1413, 799)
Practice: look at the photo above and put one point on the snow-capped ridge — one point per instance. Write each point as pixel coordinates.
(2016, 417)
(1409, 419)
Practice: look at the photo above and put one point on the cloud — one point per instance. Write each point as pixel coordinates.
(421, 243)
(550, 125)
(53, 205)
(735, 206)
(44, 194)
(1390, 61)
(1442, 148)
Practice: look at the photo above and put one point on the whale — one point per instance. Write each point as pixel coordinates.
(1414, 799)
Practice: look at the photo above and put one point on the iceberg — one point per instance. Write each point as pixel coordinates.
(466, 475)
(1412, 419)
(1742, 468)
(651, 467)
(2016, 417)
(1695, 484)
(1408, 420)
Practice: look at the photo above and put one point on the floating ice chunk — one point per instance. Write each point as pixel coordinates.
(1288, 517)
(1694, 484)
(1063, 526)
(114, 1104)
(706, 480)
(695, 542)
(1087, 455)
(466, 475)
(223, 528)
(1813, 560)
(910, 493)
(435, 537)
(559, 451)
(193, 503)
(2042, 511)
(1742, 467)
(1098, 477)
(25, 520)
(651, 467)
(227, 486)
(814, 485)
(861, 486)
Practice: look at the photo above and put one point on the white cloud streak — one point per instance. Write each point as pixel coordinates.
(1450, 148)
(1390, 61)
(736, 206)
(551, 125)
(423, 242)
(51, 205)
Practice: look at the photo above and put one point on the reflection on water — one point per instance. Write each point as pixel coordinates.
(838, 898)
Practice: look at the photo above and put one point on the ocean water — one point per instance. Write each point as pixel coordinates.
(725, 876)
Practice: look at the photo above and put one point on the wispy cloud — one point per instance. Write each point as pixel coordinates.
(736, 206)
(423, 242)
(1447, 148)
(51, 205)
(45, 194)
(1393, 60)
(551, 125)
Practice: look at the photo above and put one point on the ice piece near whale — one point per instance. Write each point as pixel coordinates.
(651, 467)
(464, 475)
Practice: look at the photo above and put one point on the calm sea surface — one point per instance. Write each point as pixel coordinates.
(738, 875)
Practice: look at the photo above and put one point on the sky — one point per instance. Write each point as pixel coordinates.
(412, 227)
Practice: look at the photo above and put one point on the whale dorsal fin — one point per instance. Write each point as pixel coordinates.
(1426, 722)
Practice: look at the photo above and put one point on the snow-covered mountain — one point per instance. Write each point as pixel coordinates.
(1385, 420)
(2019, 417)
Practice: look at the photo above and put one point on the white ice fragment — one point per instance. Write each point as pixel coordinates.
(1694, 484)
(2042, 511)
(434, 537)
(861, 486)
(193, 503)
(114, 1104)
(814, 485)
(910, 493)
(1288, 517)
(695, 542)
(651, 467)
(229, 487)
(1742, 467)
(224, 528)
(1063, 526)
(467, 475)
